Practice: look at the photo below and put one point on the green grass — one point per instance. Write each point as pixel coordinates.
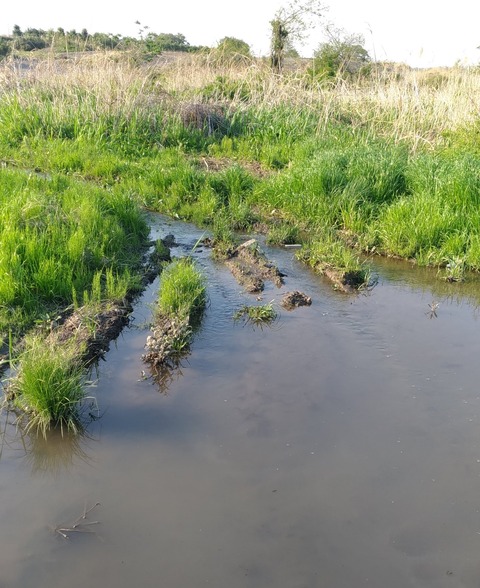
(258, 315)
(283, 234)
(59, 238)
(382, 163)
(181, 303)
(330, 254)
(182, 292)
(49, 386)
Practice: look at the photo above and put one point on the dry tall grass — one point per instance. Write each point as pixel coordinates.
(399, 103)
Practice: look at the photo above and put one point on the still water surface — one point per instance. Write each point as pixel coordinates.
(338, 449)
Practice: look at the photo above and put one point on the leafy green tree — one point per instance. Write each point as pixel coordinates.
(291, 24)
(343, 55)
(157, 43)
(31, 39)
(105, 41)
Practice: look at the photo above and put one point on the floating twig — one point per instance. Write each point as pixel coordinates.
(432, 313)
(78, 526)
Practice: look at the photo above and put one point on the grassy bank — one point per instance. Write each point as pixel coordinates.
(387, 163)
(63, 242)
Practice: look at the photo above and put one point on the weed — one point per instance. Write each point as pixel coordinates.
(258, 316)
(455, 270)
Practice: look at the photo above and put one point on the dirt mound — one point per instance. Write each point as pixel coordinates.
(93, 328)
(251, 268)
(295, 299)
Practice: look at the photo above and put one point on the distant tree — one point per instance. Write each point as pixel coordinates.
(291, 24)
(231, 49)
(84, 34)
(343, 55)
(157, 43)
(105, 41)
(291, 51)
(5, 48)
(17, 31)
(31, 39)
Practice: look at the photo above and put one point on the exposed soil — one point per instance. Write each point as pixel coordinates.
(291, 300)
(251, 268)
(348, 282)
(93, 328)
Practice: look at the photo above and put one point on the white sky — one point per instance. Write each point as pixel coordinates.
(422, 33)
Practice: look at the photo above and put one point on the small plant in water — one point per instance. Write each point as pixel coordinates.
(259, 315)
(455, 270)
(49, 386)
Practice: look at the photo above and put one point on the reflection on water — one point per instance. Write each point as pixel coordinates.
(164, 376)
(50, 454)
(340, 448)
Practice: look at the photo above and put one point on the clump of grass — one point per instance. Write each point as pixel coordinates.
(258, 315)
(182, 291)
(48, 386)
(454, 270)
(223, 237)
(331, 257)
(161, 252)
(181, 302)
(283, 234)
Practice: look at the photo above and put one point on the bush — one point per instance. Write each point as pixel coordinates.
(340, 58)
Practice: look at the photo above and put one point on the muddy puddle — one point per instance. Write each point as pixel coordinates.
(339, 448)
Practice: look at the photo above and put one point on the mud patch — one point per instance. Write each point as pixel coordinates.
(93, 328)
(251, 268)
(291, 300)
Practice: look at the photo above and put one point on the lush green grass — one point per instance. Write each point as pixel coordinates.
(61, 240)
(181, 302)
(328, 253)
(388, 163)
(182, 291)
(49, 386)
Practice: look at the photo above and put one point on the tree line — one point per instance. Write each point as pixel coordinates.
(340, 54)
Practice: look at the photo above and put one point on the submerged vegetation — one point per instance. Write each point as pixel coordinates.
(384, 162)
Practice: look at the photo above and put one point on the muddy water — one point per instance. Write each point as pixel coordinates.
(340, 448)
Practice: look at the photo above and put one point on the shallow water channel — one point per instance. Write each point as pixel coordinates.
(339, 448)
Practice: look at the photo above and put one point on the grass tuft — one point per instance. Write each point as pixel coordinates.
(49, 386)
(258, 315)
(182, 291)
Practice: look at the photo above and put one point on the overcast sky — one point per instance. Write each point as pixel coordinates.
(421, 33)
